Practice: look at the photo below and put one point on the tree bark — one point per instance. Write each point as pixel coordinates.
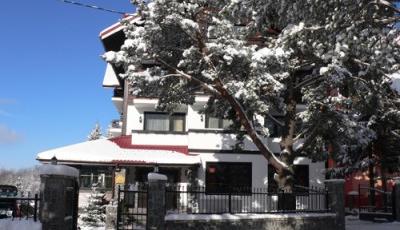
(285, 179)
(371, 177)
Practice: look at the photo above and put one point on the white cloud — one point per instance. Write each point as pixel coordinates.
(6, 101)
(8, 136)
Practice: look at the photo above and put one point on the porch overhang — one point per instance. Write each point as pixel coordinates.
(107, 152)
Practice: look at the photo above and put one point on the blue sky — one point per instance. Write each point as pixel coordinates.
(51, 75)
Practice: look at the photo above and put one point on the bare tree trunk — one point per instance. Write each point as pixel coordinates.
(285, 179)
(371, 177)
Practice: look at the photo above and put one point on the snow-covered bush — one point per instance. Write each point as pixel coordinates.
(94, 214)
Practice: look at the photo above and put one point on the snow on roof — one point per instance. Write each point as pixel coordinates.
(106, 151)
(63, 170)
(396, 81)
(115, 27)
(110, 78)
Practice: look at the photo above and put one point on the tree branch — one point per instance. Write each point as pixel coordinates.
(395, 134)
(180, 73)
(275, 120)
(250, 130)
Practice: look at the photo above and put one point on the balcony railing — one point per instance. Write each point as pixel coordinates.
(117, 124)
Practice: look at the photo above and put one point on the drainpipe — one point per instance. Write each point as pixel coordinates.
(125, 107)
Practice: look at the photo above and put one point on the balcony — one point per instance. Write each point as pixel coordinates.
(118, 103)
(115, 128)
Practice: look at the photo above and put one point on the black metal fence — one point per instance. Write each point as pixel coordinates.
(197, 200)
(375, 203)
(132, 208)
(16, 207)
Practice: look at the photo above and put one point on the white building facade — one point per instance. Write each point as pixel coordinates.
(188, 146)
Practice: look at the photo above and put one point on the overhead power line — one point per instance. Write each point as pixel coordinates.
(93, 7)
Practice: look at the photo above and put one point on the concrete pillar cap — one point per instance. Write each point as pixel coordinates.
(61, 170)
(156, 176)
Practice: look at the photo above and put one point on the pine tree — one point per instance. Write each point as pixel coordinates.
(94, 213)
(258, 58)
(95, 133)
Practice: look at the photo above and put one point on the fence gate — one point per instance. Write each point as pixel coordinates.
(132, 208)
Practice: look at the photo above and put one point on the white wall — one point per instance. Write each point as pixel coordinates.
(211, 141)
(194, 119)
(316, 171)
(218, 141)
(260, 167)
(159, 139)
(133, 122)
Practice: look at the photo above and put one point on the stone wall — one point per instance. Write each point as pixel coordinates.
(253, 222)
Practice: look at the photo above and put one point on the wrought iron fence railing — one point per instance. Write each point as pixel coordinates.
(17, 207)
(132, 207)
(372, 200)
(197, 200)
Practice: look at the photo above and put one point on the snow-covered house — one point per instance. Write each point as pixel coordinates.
(187, 146)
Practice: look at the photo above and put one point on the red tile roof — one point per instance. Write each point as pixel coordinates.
(131, 162)
(125, 142)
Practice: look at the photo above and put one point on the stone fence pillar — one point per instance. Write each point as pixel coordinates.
(59, 191)
(396, 199)
(111, 217)
(156, 201)
(336, 200)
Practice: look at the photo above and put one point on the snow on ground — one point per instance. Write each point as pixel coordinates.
(17, 224)
(91, 228)
(353, 223)
(227, 216)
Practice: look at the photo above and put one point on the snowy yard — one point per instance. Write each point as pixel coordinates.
(92, 228)
(353, 223)
(9, 224)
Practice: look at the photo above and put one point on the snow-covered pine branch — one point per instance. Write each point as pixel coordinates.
(95, 133)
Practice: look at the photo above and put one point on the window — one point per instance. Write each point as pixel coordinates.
(275, 130)
(224, 177)
(301, 178)
(164, 122)
(217, 123)
(90, 176)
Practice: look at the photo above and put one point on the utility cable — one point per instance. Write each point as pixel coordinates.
(94, 7)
